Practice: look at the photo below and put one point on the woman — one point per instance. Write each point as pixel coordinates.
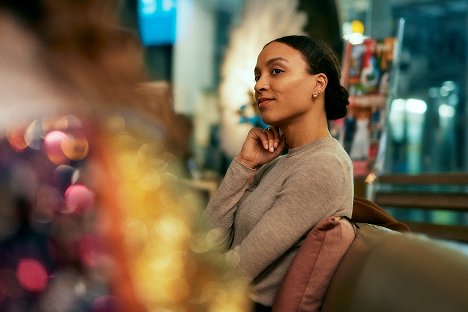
(267, 202)
(91, 215)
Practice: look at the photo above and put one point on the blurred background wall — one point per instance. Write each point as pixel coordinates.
(432, 64)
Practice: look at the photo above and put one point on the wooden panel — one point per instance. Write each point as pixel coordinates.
(450, 232)
(447, 178)
(443, 201)
(416, 197)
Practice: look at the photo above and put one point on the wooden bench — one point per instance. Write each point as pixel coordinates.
(428, 192)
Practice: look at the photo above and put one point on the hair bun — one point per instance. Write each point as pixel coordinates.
(336, 103)
(343, 95)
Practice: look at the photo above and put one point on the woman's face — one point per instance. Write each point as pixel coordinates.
(284, 87)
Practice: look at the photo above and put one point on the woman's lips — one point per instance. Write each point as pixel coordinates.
(263, 102)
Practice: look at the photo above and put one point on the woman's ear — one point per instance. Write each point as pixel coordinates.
(321, 83)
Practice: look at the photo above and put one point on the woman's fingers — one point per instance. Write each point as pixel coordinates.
(276, 136)
(267, 139)
(270, 138)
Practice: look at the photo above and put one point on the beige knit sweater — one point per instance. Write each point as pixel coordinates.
(264, 214)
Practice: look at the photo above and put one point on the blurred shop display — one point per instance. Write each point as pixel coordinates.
(428, 132)
(367, 65)
(427, 105)
(420, 169)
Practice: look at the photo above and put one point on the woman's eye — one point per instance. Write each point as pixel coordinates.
(276, 71)
(256, 77)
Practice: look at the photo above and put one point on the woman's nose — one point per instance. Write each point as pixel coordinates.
(261, 84)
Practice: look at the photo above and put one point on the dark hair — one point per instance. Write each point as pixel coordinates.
(322, 59)
(30, 12)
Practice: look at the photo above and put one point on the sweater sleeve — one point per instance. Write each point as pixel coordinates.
(222, 206)
(307, 196)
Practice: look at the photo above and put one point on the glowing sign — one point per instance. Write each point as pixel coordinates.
(157, 21)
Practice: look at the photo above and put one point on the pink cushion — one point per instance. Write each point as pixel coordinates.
(312, 269)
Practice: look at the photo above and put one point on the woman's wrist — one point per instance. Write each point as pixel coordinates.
(246, 164)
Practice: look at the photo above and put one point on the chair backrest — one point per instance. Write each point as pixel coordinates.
(431, 195)
(366, 211)
(389, 271)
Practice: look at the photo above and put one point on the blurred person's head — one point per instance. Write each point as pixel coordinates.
(79, 44)
(78, 52)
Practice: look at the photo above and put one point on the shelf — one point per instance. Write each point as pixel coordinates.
(369, 100)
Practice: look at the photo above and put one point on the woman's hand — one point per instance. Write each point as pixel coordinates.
(261, 146)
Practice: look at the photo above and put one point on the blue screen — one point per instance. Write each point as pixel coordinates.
(157, 21)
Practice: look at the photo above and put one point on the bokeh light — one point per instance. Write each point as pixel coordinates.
(53, 145)
(75, 147)
(151, 180)
(170, 229)
(33, 135)
(15, 137)
(32, 275)
(78, 199)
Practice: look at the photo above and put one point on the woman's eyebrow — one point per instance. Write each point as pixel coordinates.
(271, 61)
(275, 59)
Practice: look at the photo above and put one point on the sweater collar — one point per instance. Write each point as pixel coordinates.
(312, 145)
